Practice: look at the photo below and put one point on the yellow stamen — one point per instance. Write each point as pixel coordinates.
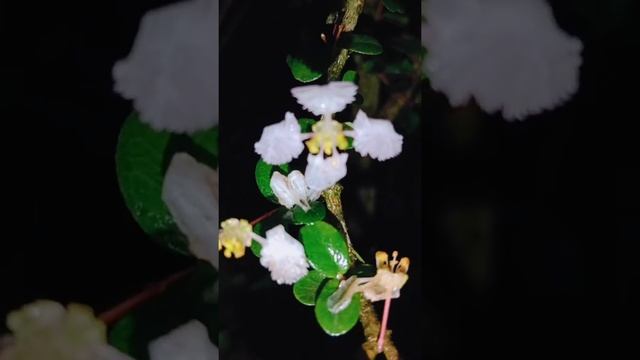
(327, 135)
(234, 236)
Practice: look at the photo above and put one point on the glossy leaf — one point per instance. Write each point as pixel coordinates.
(325, 248)
(362, 44)
(317, 212)
(142, 157)
(340, 323)
(263, 177)
(306, 289)
(301, 70)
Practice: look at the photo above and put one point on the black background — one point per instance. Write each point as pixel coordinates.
(558, 193)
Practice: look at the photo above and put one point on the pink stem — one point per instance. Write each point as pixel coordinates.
(383, 327)
(263, 216)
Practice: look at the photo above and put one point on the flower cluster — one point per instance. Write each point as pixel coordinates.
(283, 141)
(282, 254)
(189, 341)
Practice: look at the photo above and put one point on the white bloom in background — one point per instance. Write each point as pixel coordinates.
(292, 190)
(187, 342)
(280, 142)
(47, 330)
(326, 99)
(375, 137)
(509, 55)
(321, 173)
(171, 73)
(190, 191)
(283, 256)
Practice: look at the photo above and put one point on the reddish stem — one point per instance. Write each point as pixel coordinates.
(383, 327)
(109, 317)
(263, 216)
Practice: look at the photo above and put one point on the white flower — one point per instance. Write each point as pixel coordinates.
(321, 173)
(171, 73)
(375, 137)
(280, 142)
(190, 191)
(187, 342)
(292, 190)
(283, 256)
(326, 99)
(508, 55)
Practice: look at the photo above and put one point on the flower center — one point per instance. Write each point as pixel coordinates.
(327, 136)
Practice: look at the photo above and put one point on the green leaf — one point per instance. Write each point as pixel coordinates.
(409, 46)
(362, 270)
(255, 247)
(326, 249)
(263, 178)
(317, 212)
(306, 289)
(306, 124)
(142, 157)
(181, 302)
(362, 44)
(393, 6)
(350, 75)
(340, 323)
(403, 66)
(301, 70)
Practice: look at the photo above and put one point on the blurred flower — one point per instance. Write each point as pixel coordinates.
(292, 190)
(375, 137)
(234, 236)
(281, 142)
(46, 330)
(325, 99)
(171, 73)
(188, 342)
(509, 55)
(190, 191)
(283, 256)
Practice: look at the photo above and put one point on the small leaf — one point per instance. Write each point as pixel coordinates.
(340, 323)
(306, 124)
(393, 6)
(350, 75)
(263, 178)
(317, 212)
(403, 66)
(301, 70)
(409, 46)
(306, 289)
(326, 249)
(255, 247)
(363, 44)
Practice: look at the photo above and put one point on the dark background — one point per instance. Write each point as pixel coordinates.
(529, 228)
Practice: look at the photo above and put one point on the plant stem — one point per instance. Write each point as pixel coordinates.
(368, 317)
(109, 317)
(352, 10)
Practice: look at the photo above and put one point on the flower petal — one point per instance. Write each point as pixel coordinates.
(326, 99)
(322, 173)
(280, 142)
(280, 186)
(187, 342)
(375, 137)
(171, 73)
(190, 191)
(283, 256)
(510, 56)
